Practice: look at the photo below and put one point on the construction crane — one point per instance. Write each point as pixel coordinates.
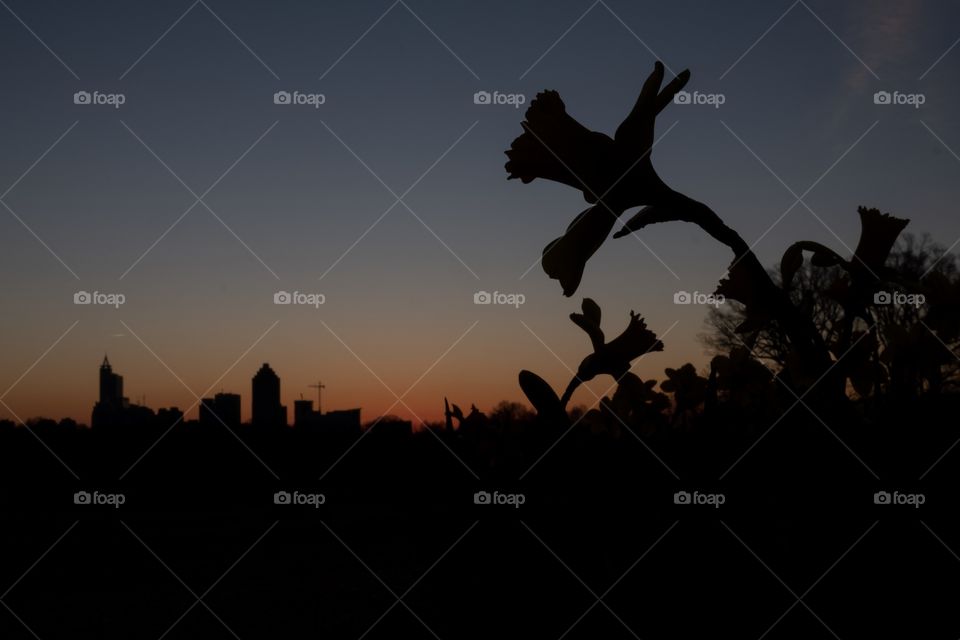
(319, 387)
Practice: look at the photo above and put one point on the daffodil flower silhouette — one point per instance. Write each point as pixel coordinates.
(867, 267)
(689, 390)
(614, 174)
(878, 233)
(612, 358)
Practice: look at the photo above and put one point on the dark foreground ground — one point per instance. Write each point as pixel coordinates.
(399, 549)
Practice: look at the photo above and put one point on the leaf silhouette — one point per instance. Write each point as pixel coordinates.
(540, 394)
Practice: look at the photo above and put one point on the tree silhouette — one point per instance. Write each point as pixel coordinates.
(903, 356)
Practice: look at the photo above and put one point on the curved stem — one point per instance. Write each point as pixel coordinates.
(565, 398)
(799, 328)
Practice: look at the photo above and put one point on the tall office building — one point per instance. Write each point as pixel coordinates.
(227, 406)
(265, 406)
(113, 410)
(111, 386)
(303, 413)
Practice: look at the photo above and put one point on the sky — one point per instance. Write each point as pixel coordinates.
(199, 198)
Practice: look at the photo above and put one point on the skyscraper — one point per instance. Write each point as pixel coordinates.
(265, 406)
(113, 410)
(227, 406)
(111, 386)
(303, 413)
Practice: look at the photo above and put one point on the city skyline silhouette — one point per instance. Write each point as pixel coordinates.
(223, 407)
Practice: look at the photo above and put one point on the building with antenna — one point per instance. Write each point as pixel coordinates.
(113, 409)
(111, 386)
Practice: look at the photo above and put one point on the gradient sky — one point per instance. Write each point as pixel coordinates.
(402, 297)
